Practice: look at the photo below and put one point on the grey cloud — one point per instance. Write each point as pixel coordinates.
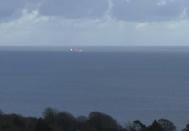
(148, 10)
(9, 7)
(129, 10)
(32, 28)
(74, 8)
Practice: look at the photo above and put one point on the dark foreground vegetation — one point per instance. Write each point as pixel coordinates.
(53, 120)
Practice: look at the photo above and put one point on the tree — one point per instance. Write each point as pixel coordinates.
(167, 125)
(186, 128)
(102, 122)
(136, 126)
(66, 121)
(42, 126)
(81, 121)
(50, 114)
(155, 127)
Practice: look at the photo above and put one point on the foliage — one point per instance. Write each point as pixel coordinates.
(167, 125)
(53, 120)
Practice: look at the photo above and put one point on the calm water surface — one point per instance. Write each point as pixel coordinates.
(126, 85)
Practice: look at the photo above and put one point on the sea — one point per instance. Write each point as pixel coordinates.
(128, 83)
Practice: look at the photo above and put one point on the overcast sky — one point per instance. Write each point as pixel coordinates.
(94, 22)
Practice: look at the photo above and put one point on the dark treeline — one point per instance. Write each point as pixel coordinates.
(53, 120)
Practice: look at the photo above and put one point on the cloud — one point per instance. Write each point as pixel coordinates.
(127, 1)
(162, 3)
(127, 10)
(184, 13)
(33, 28)
(165, 2)
(148, 10)
(118, 22)
(108, 12)
(75, 8)
(141, 25)
(18, 31)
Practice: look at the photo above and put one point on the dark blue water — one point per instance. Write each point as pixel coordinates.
(126, 85)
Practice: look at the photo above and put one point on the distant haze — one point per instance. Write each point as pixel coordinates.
(94, 22)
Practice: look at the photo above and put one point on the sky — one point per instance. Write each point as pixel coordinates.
(94, 22)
